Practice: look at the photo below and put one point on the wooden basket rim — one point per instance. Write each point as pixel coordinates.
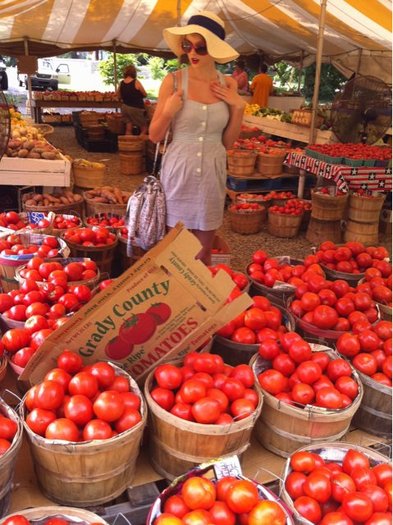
(202, 428)
(50, 511)
(310, 411)
(92, 445)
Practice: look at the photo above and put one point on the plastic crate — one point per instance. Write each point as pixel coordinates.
(355, 163)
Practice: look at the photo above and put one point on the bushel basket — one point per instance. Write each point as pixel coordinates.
(283, 428)
(246, 221)
(241, 162)
(328, 207)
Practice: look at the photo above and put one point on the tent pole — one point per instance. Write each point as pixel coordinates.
(318, 62)
(26, 44)
(114, 64)
(359, 61)
(300, 71)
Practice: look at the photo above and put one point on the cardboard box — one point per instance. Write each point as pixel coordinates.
(223, 255)
(169, 274)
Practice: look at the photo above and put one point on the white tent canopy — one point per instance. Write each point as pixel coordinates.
(357, 33)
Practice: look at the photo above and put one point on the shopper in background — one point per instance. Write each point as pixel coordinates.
(131, 93)
(241, 77)
(261, 87)
(205, 112)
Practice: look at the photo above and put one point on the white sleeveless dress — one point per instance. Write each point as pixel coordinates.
(193, 172)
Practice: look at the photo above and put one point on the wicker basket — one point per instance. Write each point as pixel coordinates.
(283, 225)
(241, 162)
(87, 176)
(93, 207)
(128, 143)
(44, 129)
(115, 124)
(75, 208)
(365, 209)
(132, 163)
(247, 222)
(125, 260)
(269, 164)
(101, 255)
(57, 231)
(91, 283)
(328, 207)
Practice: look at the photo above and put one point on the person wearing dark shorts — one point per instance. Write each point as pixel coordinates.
(131, 93)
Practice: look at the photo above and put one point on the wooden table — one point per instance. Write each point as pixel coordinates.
(288, 131)
(38, 105)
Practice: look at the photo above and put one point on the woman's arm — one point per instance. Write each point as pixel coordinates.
(118, 93)
(168, 104)
(236, 103)
(139, 86)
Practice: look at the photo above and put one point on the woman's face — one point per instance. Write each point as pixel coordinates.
(194, 46)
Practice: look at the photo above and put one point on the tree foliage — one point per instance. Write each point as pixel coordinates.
(107, 67)
(331, 82)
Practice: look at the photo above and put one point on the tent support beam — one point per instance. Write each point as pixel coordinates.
(26, 46)
(315, 98)
(115, 64)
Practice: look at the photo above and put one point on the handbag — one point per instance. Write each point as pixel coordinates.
(146, 210)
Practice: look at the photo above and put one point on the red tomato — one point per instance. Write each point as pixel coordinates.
(309, 508)
(163, 397)
(300, 351)
(358, 506)
(336, 518)
(129, 419)
(284, 364)
(341, 484)
(59, 376)
(160, 311)
(15, 339)
(365, 363)
(195, 517)
(325, 317)
(329, 397)
(272, 381)
(244, 335)
(321, 358)
(16, 519)
(383, 473)
(138, 329)
(83, 383)
(353, 459)
(309, 372)
(294, 484)
(242, 496)
(221, 514)
(69, 361)
(348, 344)
(267, 513)
(108, 405)
(49, 395)
(198, 493)
(348, 386)
(242, 408)
(97, 429)
(380, 518)
(378, 496)
(175, 505)
(79, 409)
(303, 462)
(63, 429)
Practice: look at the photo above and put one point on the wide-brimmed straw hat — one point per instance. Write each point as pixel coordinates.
(211, 27)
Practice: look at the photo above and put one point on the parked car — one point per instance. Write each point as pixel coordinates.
(46, 77)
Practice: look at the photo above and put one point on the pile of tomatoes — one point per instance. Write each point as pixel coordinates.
(292, 207)
(354, 490)
(246, 207)
(66, 222)
(227, 501)
(353, 151)
(267, 270)
(333, 192)
(96, 236)
(239, 278)
(81, 403)
(8, 430)
(379, 287)
(354, 257)
(13, 245)
(12, 220)
(370, 350)
(262, 320)
(296, 375)
(205, 390)
(58, 273)
(333, 305)
(105, 220)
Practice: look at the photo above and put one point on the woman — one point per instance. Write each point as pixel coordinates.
(205, 113)
(131, 93)
(241, 77)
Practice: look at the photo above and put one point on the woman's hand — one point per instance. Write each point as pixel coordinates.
(173, 104)
(228, 94)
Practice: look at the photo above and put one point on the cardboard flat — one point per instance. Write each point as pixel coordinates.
(169, 273)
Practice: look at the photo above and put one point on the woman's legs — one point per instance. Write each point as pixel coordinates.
(206, 238)
(129, 127)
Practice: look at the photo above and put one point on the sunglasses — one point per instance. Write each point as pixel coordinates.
(187, 46)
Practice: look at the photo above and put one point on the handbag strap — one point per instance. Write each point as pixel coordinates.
(175, 86)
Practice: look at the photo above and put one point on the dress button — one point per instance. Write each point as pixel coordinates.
(200, 139)
(203, 124)
(204, 107)
(198, 170)
(199, 154)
